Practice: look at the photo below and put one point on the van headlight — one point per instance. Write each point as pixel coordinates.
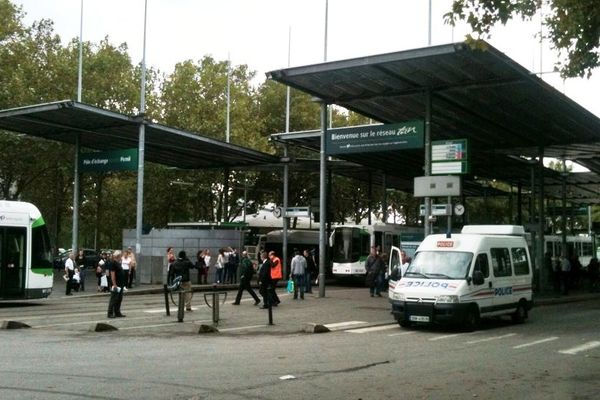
(446, 298)
(397, 296)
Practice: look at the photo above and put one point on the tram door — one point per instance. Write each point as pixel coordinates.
(13, 257)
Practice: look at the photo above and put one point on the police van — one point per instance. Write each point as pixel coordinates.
(484, 271)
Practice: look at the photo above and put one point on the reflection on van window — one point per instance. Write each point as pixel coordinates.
(500, 262)
(482, 264)
(440, 265)
(520, 262)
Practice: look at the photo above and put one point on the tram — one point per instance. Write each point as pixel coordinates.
(25, 252)
(580, 245)
(351, 244)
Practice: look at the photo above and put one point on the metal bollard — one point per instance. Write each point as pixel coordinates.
(215, 303)
(180, 305)
(167, 300)
(270, 299)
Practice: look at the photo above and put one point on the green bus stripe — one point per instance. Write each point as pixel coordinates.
(42, 271)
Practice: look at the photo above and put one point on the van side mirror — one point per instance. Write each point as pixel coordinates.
(478, 278)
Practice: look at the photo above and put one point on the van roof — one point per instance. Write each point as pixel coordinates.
(494, 229)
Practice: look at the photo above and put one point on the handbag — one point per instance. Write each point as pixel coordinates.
(290, 286)
(103, 281)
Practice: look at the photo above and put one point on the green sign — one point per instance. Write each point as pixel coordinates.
(102, 161)
(370, 138)
(449, 157)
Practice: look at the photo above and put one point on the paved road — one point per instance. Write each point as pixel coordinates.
(555, 355)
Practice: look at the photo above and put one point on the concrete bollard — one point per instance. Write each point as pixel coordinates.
(14, 325)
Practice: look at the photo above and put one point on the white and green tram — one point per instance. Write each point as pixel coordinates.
(25, 253)
(351, 244)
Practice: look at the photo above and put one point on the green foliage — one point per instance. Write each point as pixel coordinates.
(573, 27)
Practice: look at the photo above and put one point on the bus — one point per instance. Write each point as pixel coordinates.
(25, 252)
(350, 245)
(296, 239)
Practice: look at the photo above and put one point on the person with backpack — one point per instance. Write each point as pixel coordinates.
(181, 267)
(246, 274)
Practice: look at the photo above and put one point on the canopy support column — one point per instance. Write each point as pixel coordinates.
(543, 273)
(322, 202)
(75, 235)
(284, 250)
(427, 169)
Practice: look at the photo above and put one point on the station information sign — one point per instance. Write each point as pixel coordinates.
(449, 157)
(101, 161)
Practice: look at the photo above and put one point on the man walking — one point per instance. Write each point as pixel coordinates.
(298, 272)
(246, 274)
(181, 267)
(264, 279)
(276, 276)
(118, 283)
(69, 272)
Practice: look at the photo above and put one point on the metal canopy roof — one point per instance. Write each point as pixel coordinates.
(501, 108)
(106, 130)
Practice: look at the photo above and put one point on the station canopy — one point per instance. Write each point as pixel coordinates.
(507, 114)
(103, 130)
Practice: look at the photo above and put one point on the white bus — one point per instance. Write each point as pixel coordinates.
(25, 255)
(350, 245)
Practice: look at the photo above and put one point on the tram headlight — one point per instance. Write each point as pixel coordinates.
(446, 298)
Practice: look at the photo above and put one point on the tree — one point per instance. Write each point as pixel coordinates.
(573, 27)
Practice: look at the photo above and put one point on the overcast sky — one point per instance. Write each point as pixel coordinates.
(255, 32)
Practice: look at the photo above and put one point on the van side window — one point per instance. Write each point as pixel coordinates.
(520, 261)
(501, 262)
(482, 264)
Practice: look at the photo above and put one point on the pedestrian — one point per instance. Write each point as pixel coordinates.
(132, 268)
(311, 271)
(201, 267)
(565, 274)
(118, 284)
(264, 280)
(80, 260)
(126, 265)
(69, 272)
(76, 280)
(298, 271)
(220, 266)
(100, 270)
(246, 274)
(374, 267)
(276, 276)
(170, 260)
(207, 258)
(181, 268)
(593, 269)
(234, 260)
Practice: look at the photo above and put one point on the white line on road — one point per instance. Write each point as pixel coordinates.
(433, 339)
(374, 328)
(579, 349)
(83, 322)
(401, 333)
(491, 338)
(240, 328)
(550, 339)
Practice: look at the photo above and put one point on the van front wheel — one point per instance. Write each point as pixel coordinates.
(404, 323)
(471, 321)
(520, 315)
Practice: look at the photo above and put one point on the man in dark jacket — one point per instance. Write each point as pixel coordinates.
(246, 274)
(374, 267)
(181, 267)
(264, 279)
(118, 283)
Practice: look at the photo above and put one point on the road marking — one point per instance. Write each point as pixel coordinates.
(401, 333)
(83, 322)
(433, 339)
(491, 338)
(579, 349)
(550, 339)
(374, 328)
(344, 324)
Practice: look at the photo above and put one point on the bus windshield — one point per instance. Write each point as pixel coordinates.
(440, 265)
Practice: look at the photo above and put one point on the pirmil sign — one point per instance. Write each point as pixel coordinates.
(370, 138)
(102, 161)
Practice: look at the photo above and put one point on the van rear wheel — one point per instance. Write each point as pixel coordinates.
(404, 323)
(520, 315)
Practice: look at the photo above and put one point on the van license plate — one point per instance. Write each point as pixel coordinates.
(419, 318)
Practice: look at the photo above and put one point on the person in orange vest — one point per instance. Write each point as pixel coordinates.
(276, 276)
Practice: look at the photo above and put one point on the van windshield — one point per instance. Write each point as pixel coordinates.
(440, 265)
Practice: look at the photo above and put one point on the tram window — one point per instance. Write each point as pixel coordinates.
(355, 248)
(587, 249)
(40, 248)
(520, 261)
(500, 262)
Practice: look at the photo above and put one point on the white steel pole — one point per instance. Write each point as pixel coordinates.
(227, 114)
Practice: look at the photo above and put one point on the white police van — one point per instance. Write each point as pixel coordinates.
(484, 271)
